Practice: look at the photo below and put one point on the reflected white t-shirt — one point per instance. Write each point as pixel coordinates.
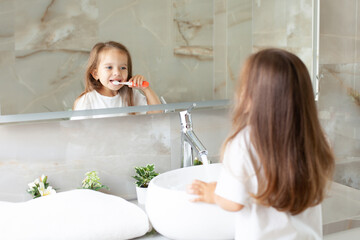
(94, 100)
(237, 180)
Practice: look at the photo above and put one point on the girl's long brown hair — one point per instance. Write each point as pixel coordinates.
(275, 98)
(92, 84)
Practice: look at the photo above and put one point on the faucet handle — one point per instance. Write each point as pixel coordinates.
(185, 118)
(191, 107)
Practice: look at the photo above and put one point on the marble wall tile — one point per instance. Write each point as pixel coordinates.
(339, 100)
(299, 15)
(53, 89)
(263, 11)
(192, 71)
(287, 29)
(336, 49)
(136, 23)
(356, 20)
(338, 18)
(348, 173)
(9, 74)
(45, 57)
(66, 24)
(6, 25)
(357, 49)
(239, 39)
(7, 56)
(7, 59)
(213, 131)
(193, 20)
(220, 49)
(337, 108)
(335, 80)
(356, 83)
(339, 113)
(338, 31)
(340, 210)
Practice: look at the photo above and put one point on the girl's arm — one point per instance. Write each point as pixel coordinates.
(206, 193)
(151, 97)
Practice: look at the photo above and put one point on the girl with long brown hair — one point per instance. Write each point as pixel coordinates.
(277, 162)
(109, 67)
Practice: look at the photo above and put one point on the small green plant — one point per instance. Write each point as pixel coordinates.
(91, 181)
(197, 162)
(144, 175)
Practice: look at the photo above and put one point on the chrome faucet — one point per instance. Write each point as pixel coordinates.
(190, 141)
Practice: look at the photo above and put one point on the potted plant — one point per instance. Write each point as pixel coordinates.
(143, 177)
(40, 187)
(92, 181)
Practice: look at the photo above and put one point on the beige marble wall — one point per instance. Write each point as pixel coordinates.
(284, 24)
(339, 98)
(185, 48)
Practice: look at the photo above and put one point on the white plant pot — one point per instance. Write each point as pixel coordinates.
(141, 195)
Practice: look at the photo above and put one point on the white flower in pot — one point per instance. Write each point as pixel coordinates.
(40, 187)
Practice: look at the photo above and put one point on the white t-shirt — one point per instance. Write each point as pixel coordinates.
(94, 100)
(237, 180)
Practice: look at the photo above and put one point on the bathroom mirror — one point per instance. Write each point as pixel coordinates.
(189, 50)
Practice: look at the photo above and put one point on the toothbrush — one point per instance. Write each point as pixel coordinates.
(144, 83)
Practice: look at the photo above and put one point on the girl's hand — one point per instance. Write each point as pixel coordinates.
(137, 81)
(205, 191)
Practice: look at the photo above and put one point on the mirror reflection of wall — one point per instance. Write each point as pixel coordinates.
(189, 50)
(339, 95)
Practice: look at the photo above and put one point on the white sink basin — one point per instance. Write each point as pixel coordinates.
(174, 216)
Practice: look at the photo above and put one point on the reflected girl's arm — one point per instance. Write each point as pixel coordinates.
(151, 97)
